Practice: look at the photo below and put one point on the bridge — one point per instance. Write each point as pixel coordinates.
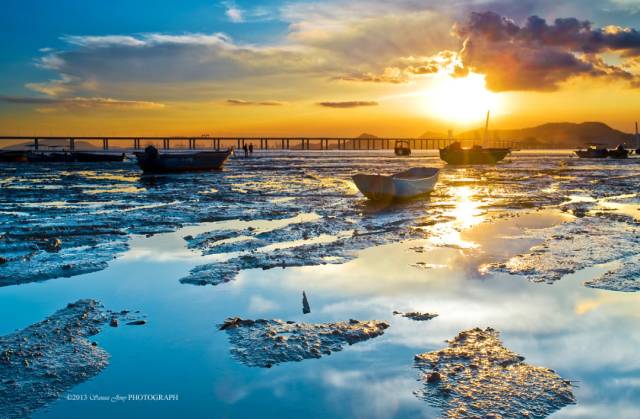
(40, 143)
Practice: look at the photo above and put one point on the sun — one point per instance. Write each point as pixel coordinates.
(463, 100)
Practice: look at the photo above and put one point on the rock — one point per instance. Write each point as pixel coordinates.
(53, 245)
(2, 260)
(305, 304)
(114, 322)
(416, 315)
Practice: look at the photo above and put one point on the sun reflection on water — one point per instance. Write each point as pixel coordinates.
(464, 214)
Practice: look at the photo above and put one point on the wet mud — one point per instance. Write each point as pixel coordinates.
(265, 343)
(477, 377)
(42, 361)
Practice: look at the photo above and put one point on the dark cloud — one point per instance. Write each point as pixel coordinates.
(538, 55)
(241, 102)
(348, 104)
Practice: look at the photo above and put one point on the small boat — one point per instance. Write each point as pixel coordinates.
(13, 156)
(619, 152)
(593, 152)
(404, 185)
(456, 155)
(85, 157)
(152, 161)
(402, 148)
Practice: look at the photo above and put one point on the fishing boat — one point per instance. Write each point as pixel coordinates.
(637, 140)
(404, 185)
(402, 148)
(593, 151)
(454, 154)
(152, 161)
(619, 152)
(86, 157)
(13, 156)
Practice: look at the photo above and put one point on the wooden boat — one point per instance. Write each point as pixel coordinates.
(456, 155)
(84, 156)
(619, 152)
(13, 156)
(404, 185)
(402, 148)
(152, 161)
(593, 152)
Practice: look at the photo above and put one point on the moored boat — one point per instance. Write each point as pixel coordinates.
(456, 155)
(619, 152)
(50, 157)
(152, 161)
(13, 156)
(402, 148)
(593, 152)
(404, 185)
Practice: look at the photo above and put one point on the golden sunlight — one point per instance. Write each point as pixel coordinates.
(460, 100)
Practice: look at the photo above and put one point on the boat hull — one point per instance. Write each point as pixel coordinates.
(405, 185)
(618, 154)
(182, 162)
(471, 156)
(592, 154)
(13, 156)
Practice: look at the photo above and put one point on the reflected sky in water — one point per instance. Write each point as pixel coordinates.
(586, 335)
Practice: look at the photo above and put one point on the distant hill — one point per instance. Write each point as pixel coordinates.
(560, 134)
(365, 135)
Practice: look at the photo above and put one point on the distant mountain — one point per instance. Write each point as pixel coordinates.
(365, 135)
(560, 134)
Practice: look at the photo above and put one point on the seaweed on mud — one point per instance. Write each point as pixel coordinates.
(264, 343)
(42, 361)
(477, 377)
(579, 244)
(417, 315)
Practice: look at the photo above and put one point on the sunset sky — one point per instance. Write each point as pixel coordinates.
(389, 68)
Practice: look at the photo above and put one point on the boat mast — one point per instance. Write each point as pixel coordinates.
(486, 128)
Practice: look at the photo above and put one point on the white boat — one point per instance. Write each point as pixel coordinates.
(403, 185)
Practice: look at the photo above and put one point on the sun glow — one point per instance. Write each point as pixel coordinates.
(460, 100)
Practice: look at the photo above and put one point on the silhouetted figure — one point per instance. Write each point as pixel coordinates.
(251, 148)
(246, 150)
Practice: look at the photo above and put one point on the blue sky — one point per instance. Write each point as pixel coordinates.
(271, 64)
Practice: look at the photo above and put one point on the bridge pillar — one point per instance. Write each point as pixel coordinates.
(72, 144)
(36, 144)
(105, 143)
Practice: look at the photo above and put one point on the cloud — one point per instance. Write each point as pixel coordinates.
(392, 75)
(348, 104)
(82, 103)
(541, 56)
(234, 13)
(241, 102)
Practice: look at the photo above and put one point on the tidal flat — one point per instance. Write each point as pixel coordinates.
(540, 248)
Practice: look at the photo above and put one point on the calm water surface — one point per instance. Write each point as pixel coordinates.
(587, 335)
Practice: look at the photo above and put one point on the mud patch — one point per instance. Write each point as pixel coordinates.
(476, 376)
(576, 245)
(42, 361)
(416, 315)
(264, 343)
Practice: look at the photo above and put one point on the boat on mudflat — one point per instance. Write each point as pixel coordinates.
(153, 161)
(13, 156)
(619, 152)
(404, 185)
(402, 148)
(593, 152)
(456, 155)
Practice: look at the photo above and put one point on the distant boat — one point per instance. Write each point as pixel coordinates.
(50, 157)
(408, 184)
(13, 156)
(456, 155)
(83, 156)
(593, 151)
(619, 152)
(152, 161)
(402, 148)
